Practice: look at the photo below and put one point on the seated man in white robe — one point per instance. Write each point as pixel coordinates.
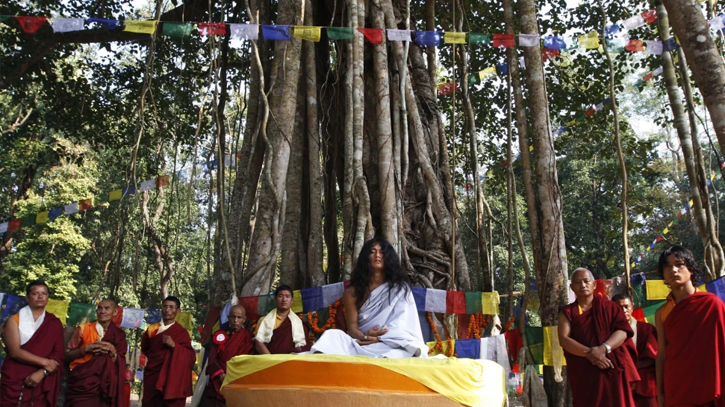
(382, 319)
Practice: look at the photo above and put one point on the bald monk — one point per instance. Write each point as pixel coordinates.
(599, 355)
(281, 331)
(97, 357)
(645, 341)
(225, 345)
(170, 358)
(691, 333)
(34, 346)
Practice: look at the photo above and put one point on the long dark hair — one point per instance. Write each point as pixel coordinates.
(686, 256)
(395, 276)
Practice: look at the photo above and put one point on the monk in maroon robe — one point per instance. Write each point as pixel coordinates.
(97, 356)
(645, 341)
(167, 346)
(599, 354)
(289, 334)
(34, 347)
(225, 345)
(691, 334)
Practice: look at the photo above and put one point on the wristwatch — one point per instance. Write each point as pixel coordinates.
(45, 372)
(607, 347)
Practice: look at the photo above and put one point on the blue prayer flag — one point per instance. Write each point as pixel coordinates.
(717, 287)
(312, 299)
(503, 68)
(670, 44)
(12, 306)
(419, 294)
(468, 348)
(613, 29)
(109, 24)
(428, 38)
(153, 316)
(553, 42)
(54, 213)
(276, 32)
(129, 191)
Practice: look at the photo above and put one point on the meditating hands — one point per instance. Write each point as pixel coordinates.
(373, 335)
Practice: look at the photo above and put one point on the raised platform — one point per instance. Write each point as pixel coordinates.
(327, 380)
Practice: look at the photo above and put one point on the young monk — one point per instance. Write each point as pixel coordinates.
(691, 334)
(281, 330)
(34, 345)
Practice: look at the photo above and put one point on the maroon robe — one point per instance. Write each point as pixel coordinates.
(695, 353)
(100, 381)
(238, 344)
(591, 386)
(282, 342)
(167, 375)
(47, 342)
(645, 394)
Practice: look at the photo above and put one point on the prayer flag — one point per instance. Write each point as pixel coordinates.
(80, 313)
(489, 303)
(212, 319)
(473, 303)
(717, 287)
(340, 33)
(503, 68)
(428, 38)
(244, 31)
(635, 46)
(435, 300)
(647, 77)
(132, 318)
(599, 107)
(473, 79)
(176, 29)
(612, 29)
(312, 299)
(115, 195)
(267, 304)
(503, 40)
(529, 40)
(633, 22)
(59, 308)
(4, 17)
(656, 290)
(548, 53)
(27, 221)
(307, 33)
(12, 306)
(373, 35)
(212, 28)
(447, 88)
(297, 305)
(153, 316)
(479, 39)
(399, 35)
(276, 32)
(468, 348)
(455, 302)
(224, 315)
(184, 319)
(108, 24)
(251, 306)
(553, 352)
(454, 37)
(716, 23)
(30, 24)
(589, 40)
(615, 45)
(553, 42)
(61, 25)
(332, 292)
(649, 312)
(162, 181)
(419, 294)
(664, 232)
(42, 217)
(54, 213)
(491, 70)
(138, 26)
(654, 47)
(85, 204)
(670, 44)
(3, 227)
(589, 112)
(148, 185)
(15, 224)
(649, 16)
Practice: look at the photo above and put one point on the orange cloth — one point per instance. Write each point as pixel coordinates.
(87, 334)
(669, 305)
(153, 328)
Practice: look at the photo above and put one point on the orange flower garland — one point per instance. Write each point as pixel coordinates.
(439, 343)
(313, 319)
(510, 324)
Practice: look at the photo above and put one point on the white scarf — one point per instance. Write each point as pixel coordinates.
(163, 327)
(99, 329)
(266, 328)
(27, 324)
(633, 324)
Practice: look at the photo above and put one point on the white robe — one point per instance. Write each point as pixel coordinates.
(398, 312)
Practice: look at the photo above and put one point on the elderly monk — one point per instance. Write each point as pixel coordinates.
(599, 355)
(691, 334)
(281, 331)
(97, 357)
(170, 358)
(225, 345)
(34, 346)
(382, 319)
(645, 341)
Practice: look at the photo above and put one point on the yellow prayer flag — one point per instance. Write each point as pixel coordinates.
(531, 148)
(488, 72)
(690, 203)
(59, 308)
(297, 303)
(664, 232)
(702, 288)
(589, 40)
(634, 265)
(489, 303)
(184, 319)
(306, 32)
(656, 289)
(454, 38)
(115, 195)
(445, 343)
(571, 123)
(534, 303)
(712, 177)
(139, 26)
(41, 217)
(553, 352)
(669, 225)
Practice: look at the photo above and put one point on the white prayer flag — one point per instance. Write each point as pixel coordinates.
(654, 47)
(224, 317)
(494, 348)
(244, 31)
(633, 22)
(132, 318)
(528, 40)
(522, 62)
(657, 71)
(148, 185)
(599, 107)
(332, 292)
(71, 208)
(229, 160)
(717, 23)
(61, 25)
(3, 229)
(435, 300)
(398, 35)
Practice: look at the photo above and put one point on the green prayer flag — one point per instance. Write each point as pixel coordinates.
(473, 303)
(177, 29)
(615, 45)
(4, 17)
(481, 39)
(637, 296)
(649, 312)
(340, 33)
(535, 340)
(581, 118)
(28, 221)
(80, 313)
(473, 79)
(266, 304)
(101, 199)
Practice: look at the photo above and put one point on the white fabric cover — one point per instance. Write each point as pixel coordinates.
(27, 325)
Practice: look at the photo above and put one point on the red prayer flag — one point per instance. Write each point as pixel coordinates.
(15, 224)
(638, 314)
(447, 88)
(212, 28)
(679, 214)
(251, 305)
(211, 318)
(548, 53)
(31, 24)
(503, 40)
(85, 205)
(650, 16)
(647, 77)
(374, 35)
(722, 165)
(589, 112)
(635, 46)
(659, 238)
(162, 181)
(455, 302)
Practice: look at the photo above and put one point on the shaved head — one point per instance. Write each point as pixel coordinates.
(237, 316)
(582, 271)
(238, 307)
